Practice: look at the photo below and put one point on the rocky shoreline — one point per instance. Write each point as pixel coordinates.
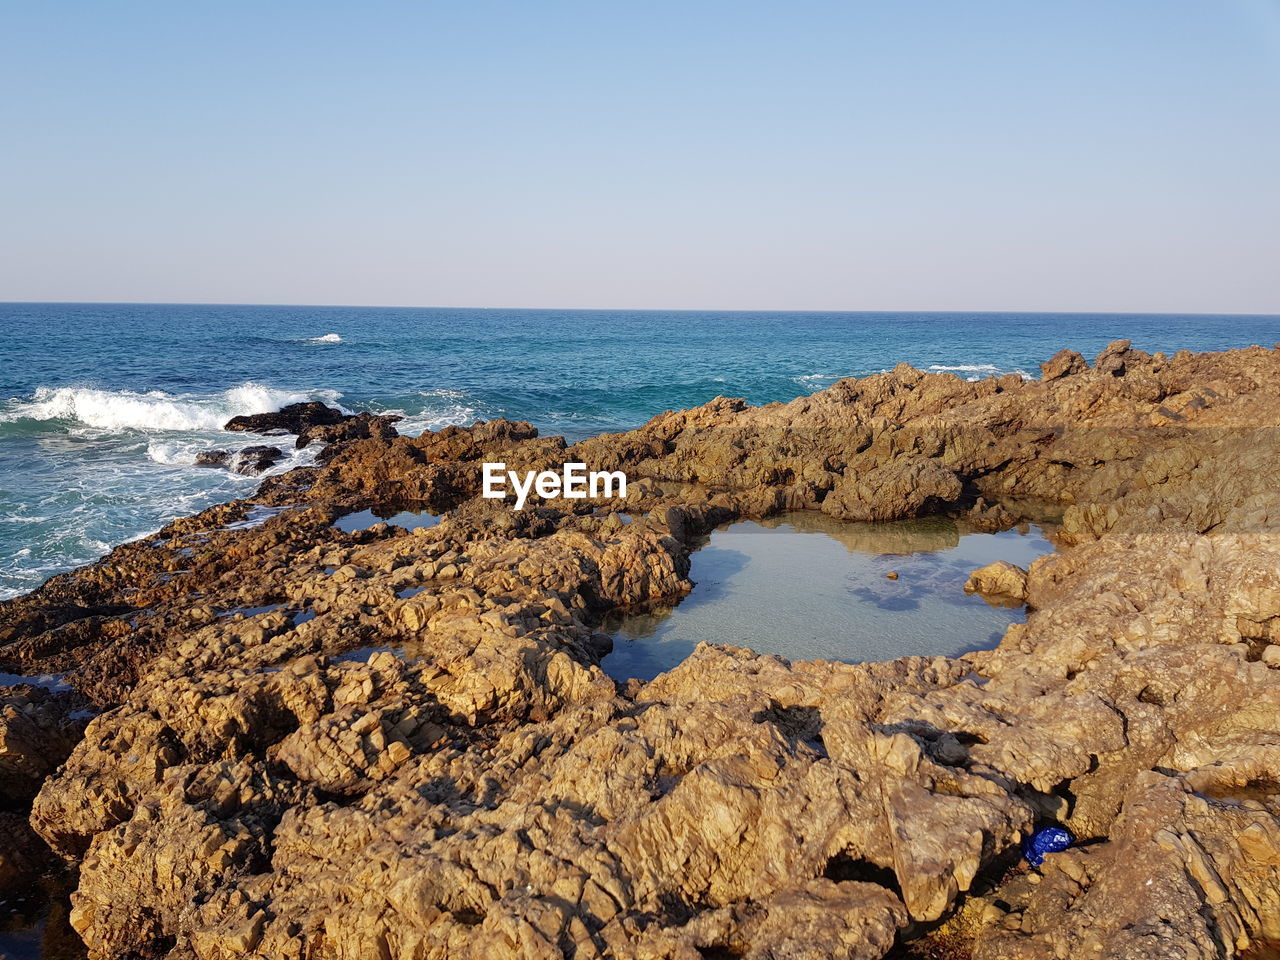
(241, 770)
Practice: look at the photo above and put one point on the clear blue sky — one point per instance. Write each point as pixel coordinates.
(1012, 155)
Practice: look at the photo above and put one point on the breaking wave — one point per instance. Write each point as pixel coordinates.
(182, 452)
(155, 410)
(327, 338)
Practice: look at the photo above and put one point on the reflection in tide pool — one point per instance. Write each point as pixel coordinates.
(35, 925)
(364, 519)
(806, 587)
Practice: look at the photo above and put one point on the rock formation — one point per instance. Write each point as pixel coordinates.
(390, 744)
(250, 460)
(999, 582)
(314, 421)
(295, 418)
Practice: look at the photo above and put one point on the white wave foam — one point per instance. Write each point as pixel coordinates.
(117, 410)
(182, 453)
(436, 416)
(457, 414)
(966, 368)
(812, 377)
(171, 452)
(327, 338)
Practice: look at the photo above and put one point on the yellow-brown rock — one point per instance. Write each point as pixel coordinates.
(401, 745)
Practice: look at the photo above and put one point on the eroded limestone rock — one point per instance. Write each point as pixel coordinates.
(1000, 581)
(382, 743)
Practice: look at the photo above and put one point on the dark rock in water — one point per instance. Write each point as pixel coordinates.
(294, 418)
(311, 422)
(214, 458)
(249, 461)
(256, 459)
(601, 644)
(360, 427)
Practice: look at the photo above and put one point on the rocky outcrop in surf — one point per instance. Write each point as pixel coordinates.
(294, 418)
(249, 460)
(324, 744)
(315, 421)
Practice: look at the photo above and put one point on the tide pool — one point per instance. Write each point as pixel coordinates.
(806, 587)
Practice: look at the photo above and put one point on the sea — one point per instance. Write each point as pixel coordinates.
(103, 407)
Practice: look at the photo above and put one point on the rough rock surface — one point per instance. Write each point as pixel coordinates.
(392, 744)
(1000, 581)
(314, 421)
(295, 418)
(362, 426)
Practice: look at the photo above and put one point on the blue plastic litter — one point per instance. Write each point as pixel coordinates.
(1046, 840)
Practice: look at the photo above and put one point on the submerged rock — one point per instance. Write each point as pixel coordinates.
(482, 789)
(250, 460)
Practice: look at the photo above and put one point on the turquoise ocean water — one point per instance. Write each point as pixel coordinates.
(103, 407)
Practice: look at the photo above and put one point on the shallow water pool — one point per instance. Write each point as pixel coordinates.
(53, 682)
(34, 923)
(408, 519)
(806, 587)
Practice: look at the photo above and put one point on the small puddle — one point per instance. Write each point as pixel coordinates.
(364, 654)
(247, 612)
(626, 519)
(806, 587)
(52, 682)
(256, 517)
(408, 519)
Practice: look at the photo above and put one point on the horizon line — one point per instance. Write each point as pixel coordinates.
(831, 310)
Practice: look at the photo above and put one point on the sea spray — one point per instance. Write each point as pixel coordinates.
(155, 410)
